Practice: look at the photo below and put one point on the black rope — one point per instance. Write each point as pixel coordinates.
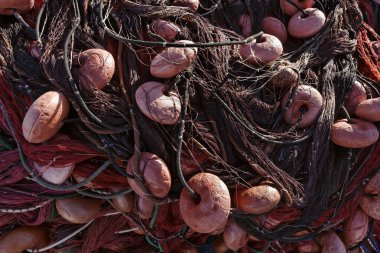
(4, 142)
(55, 196)
(298, 8)
(99, 195)
(185, 100)
(29, 31)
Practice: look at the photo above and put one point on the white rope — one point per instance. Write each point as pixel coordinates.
(62, 240)
(127, 230)
(22, 210)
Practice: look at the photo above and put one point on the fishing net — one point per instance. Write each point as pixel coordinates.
(231, 123)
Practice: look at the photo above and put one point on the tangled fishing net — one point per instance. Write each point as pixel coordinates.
(190, 136)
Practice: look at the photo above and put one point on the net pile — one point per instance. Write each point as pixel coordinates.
(230, 123)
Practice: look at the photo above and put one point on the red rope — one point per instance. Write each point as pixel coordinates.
(58, 152)
(369, 64)
(37, 217)
(11, 170)
(101, 234)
